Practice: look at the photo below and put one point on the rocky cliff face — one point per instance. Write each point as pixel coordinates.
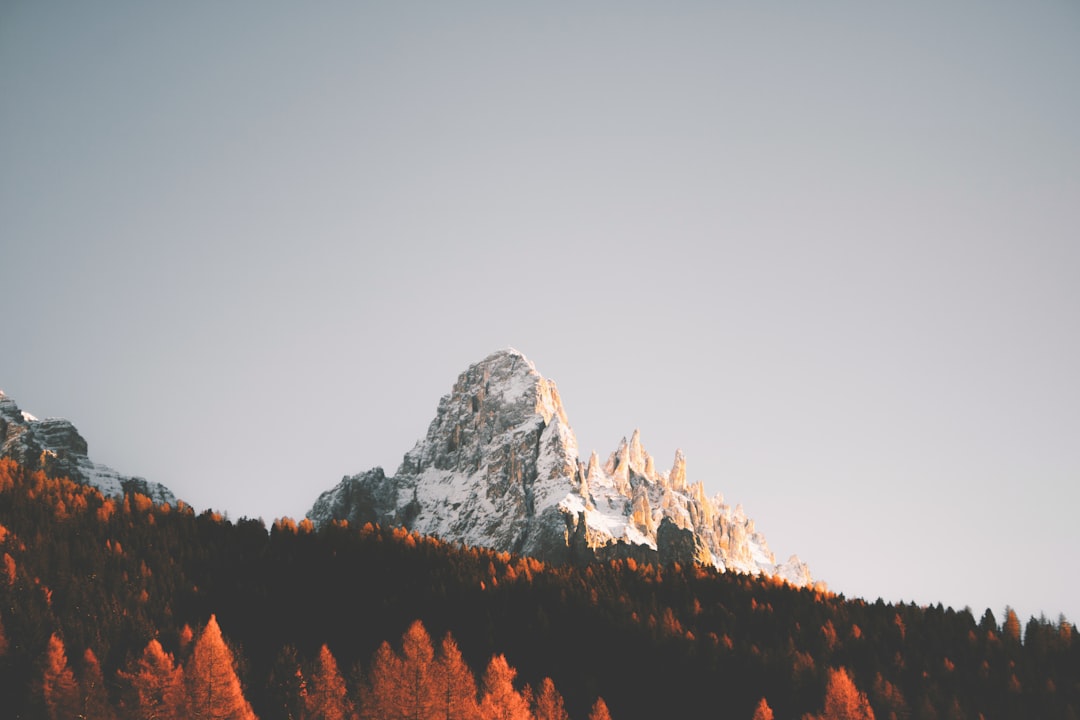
(499, 468)
(56, 447)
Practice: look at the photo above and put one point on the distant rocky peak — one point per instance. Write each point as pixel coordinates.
(499, 467)
(56, 447)
(505, 381)
(498, 395)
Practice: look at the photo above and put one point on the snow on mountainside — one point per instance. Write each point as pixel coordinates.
(499, 468)
(55, 446)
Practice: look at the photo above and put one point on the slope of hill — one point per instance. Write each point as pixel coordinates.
(110, 576)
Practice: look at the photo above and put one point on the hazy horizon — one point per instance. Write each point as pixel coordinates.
(831, 253)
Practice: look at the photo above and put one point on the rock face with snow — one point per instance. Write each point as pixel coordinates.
(499, 468)
(56, 447)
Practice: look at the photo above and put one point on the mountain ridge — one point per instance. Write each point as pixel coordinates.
(499, 468)
(56, 447)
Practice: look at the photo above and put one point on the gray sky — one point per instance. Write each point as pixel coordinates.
(832, 252)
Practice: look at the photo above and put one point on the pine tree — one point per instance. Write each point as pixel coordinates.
(327, 697)
(154, 686)
(92, 694)
(763, 711)
(500, 700)
(214, 691)
(549, 703)
(58, 686)
(454, 685)
(599, 710)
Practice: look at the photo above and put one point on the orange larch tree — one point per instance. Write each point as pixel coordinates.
(599, 710)
(763, 711)
(214, 690)
(93, 697)
(153, 686)
(382, 696)
(58, 686)
(326, 696)
(500, 700)
(548, 704)
(454, 685)
(843, 701)
(417, 677)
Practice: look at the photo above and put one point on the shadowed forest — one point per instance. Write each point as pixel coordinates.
(124, 609)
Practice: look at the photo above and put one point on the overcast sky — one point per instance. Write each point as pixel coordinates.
(831, 250)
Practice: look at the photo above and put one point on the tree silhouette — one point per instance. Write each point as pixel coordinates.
(418, 688)
(889, 700)
(154, 686)
(382, 695)
(763, 711)
(843, 701)
(548, 704)
(454, 685)
(58, 686)
(327, 697)
(92, 694)
(599, 710)
(1011, 628)
(214, 691)
(500, 700)
(286, 685)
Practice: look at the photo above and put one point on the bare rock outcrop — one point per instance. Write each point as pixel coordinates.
(54, 446)
(499, 468)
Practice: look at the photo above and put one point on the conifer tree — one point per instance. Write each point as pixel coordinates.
(599, 710)
(58, 686)
(549, 703)
(287, 686)
(454, 685)
(382, 696)
(214, 691)
(1011, 628)
(154, 686)
(843, 701)
(500, 700)
(417, 679)
(763, 711)
(326, 696)
(187, 637)
(94, 699)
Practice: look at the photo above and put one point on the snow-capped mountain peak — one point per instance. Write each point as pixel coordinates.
(55, 446)
(499, 468)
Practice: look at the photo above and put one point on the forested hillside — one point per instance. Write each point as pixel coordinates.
(110, 607)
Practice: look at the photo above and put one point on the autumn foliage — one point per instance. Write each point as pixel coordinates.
(123, 609)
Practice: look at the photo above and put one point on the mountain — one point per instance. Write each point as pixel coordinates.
(499, 468)
(56, 447)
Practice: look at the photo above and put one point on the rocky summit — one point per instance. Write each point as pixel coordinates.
(499, 468)
(54, 446)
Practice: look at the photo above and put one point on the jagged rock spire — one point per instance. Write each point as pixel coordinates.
(499, 467)
(677, 476)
